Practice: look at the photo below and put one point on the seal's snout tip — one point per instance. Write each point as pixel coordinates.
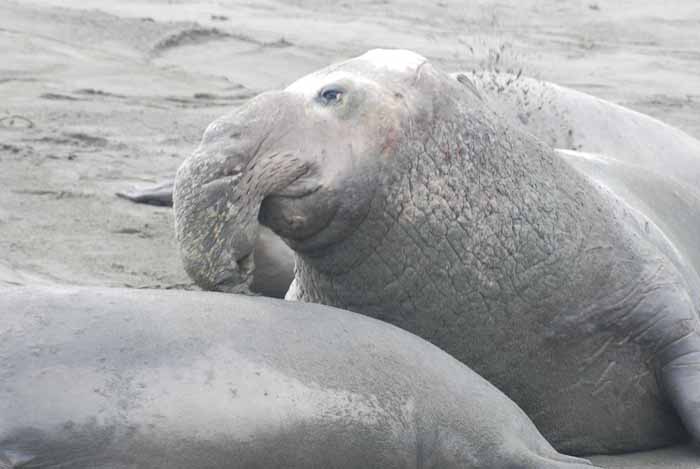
(246, 265)
(236, 280)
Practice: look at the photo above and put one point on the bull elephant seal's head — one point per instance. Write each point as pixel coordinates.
(305, 161)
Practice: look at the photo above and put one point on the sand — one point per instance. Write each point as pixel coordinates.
(98, 97)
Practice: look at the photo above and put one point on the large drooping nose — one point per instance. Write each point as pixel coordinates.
(233, 140)
(229, 148)
(218, 193)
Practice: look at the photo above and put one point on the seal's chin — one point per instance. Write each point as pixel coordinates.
(299, 213)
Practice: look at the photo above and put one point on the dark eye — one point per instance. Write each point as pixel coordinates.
(330, 95)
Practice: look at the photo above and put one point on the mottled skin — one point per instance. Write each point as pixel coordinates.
(564, 119)
(118, 379)
(650, 165)
(426, 209)
(274, 260)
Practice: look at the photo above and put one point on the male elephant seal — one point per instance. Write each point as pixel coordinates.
(408, 199)
(116, 378)
(564, 118)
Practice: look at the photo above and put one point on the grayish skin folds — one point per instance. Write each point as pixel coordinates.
(475, 235)
(499, 274)
(223, 188)
(119, 379)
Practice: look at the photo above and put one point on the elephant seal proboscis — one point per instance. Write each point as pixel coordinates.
(408, 198)
(274, 260)
(117, 378)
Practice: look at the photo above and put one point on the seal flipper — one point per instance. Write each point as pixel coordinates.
(161, 194)
(680, 374)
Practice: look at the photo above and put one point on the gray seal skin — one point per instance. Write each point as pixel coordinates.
(650, 165)
(562, 117)
(568, 119)
(274, 260)
(117, 378)
(408, 198)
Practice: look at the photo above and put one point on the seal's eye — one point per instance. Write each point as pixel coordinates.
(331, 95)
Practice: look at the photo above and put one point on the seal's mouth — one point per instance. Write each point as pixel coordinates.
(302, 185)
(291, 192)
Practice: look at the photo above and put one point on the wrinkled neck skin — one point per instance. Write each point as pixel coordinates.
(487, 193)
(482, 241)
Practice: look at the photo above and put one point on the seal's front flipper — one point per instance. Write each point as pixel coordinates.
(160, 194)
(680, 375)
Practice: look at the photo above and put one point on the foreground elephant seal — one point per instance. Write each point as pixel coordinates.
(153, 379)
(407, 198)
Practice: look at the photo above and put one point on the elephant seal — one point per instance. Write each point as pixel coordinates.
(123, 378)
(408, 198)
(564, 118)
